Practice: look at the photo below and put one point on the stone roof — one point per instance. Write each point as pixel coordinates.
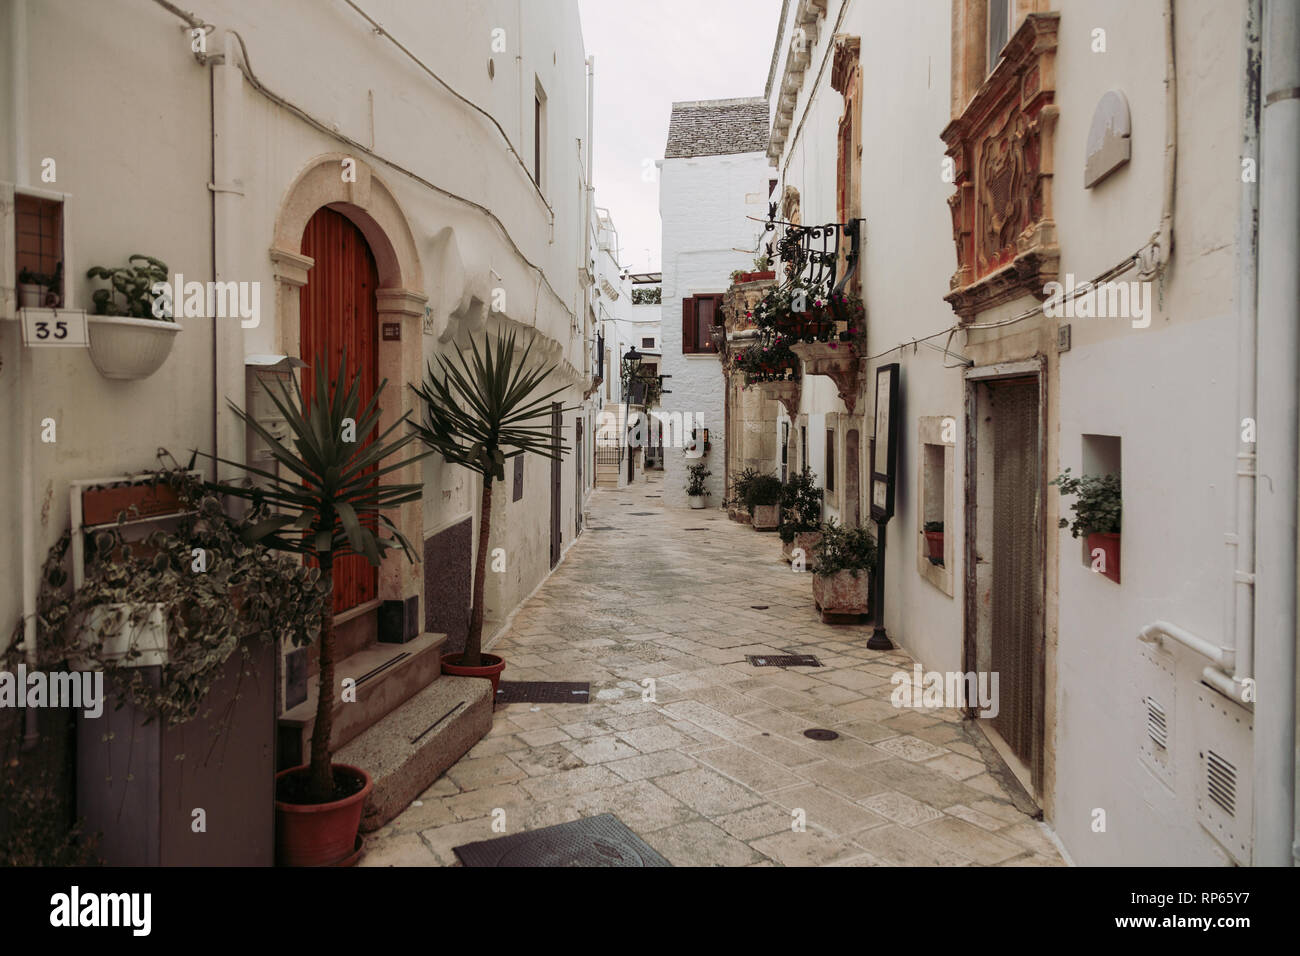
(717, 127)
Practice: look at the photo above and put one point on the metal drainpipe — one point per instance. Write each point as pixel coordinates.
(1279, 436)
(1240, 538)
(27, 469)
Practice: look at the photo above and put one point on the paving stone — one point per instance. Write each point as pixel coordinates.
(900, 846)
(899, 807)
(654, 738)
(652, 765)
(708, 792)
(540, 761)
(810, 848)
(828, 811)
(485, 772)
(851, 782)
(747, 767)
(970, 815)
(970, 841)
(700, 843)
(783, 751)
(956, 766)
(757, 821)
(570, 782)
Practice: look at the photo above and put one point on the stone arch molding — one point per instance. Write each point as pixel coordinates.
(367, 201)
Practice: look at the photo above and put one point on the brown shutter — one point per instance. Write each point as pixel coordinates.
(717, 320)
(688, 327)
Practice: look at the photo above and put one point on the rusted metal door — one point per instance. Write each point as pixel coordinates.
(852, 479)
(577, 477)
(338, 311)
(1016, 636)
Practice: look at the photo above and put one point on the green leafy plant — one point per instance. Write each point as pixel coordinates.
(134, 283)
(933, 526)
(478, 414)
(763, 263)
(52, 280)
(740, 486)
(695, 475)
(1098, 503)
(763, 490)
(326, 501)
(648, 296)
(801, 504)
(844, 549)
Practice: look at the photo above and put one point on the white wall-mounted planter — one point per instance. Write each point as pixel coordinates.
(125, 348)
(112, 623)
(31, 296)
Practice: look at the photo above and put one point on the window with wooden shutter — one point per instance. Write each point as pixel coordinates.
(688, 326)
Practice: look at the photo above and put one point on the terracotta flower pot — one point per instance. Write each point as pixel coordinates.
(767, 517)
(320, 834)
(935, 540)
(103, 505)
(491, 671)
(842, 592)
(1108, 542)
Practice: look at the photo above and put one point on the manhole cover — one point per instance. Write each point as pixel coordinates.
(783, 660)
(818, 733)
(542, 692)
(592, 841)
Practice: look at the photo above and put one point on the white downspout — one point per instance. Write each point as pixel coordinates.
(227, 189)
(591, 190)
(1279, 437)
(26, 423)
(1240, 537)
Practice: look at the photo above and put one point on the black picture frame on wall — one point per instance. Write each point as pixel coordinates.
(885, 459)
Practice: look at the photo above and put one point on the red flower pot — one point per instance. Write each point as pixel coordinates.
(935, 540)
(320, 834)
(1108, 542)
(491, 671)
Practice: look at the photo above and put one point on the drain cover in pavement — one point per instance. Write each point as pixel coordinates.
(643, 513)
(592, 527)
(783, 660)
(759, 607)
(542, 692)
(592, 841)
(818, 734)
(695, 529)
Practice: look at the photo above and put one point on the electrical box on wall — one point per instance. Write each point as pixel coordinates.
(1225, 767)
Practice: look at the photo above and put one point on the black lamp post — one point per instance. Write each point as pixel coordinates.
(631, 366)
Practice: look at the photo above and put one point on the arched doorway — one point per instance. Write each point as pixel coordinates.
(338, 312)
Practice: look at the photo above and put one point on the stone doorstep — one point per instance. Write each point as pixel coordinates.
(401, 766)
(375, 698)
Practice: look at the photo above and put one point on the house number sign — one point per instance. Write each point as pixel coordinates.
(55, 328)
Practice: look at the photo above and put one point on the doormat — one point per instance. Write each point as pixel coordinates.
(592, 841)
(542, 692)
(783, 660)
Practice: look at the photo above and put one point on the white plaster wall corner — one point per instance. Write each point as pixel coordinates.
(448, 287)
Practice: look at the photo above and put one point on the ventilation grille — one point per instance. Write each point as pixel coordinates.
(1157, 724)
(1221, 782)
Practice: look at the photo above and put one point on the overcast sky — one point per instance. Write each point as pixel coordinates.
(650, 53)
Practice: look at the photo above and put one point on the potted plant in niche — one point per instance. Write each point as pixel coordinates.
(695, 490)
(131, 330)
(326, 501)
(801, 514)
(1097, 510)
(843, 562)
(933, 531)
(38, 290)
(763, 498)
(478, 414)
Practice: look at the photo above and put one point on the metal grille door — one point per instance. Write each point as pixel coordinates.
(1016, 560)
(337, 310)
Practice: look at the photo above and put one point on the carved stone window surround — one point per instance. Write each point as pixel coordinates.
(1002, 146)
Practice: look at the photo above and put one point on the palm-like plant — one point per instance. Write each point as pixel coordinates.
(476, 414)
(330, 480)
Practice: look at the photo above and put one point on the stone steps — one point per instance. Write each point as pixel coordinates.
(377, 695)
(405, 752)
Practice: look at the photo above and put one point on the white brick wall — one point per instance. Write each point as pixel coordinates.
(703, 205)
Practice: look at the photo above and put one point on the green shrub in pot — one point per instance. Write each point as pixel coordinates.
(844, 549)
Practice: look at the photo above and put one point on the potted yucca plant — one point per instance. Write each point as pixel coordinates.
(478, 412)
(326, 501)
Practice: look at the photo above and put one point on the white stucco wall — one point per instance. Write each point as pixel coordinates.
(703, 205)
(148, 192)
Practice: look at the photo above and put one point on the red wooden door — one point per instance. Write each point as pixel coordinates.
(337, 312)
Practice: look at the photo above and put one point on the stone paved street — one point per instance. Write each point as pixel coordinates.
(710, 773)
